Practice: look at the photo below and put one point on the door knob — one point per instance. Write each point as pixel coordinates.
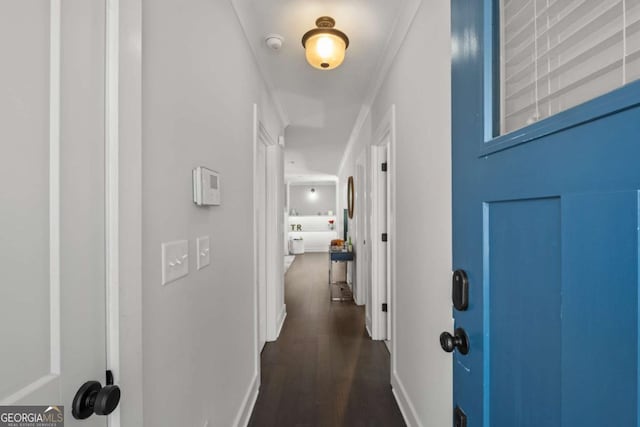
(92, 398)
(459, 340)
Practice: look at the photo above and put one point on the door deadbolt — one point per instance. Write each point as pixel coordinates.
(460, 290)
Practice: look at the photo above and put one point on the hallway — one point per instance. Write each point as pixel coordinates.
(323, 370)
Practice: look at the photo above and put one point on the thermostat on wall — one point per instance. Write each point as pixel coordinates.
(206, 187)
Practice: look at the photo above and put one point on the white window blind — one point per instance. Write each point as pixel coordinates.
(556, 54)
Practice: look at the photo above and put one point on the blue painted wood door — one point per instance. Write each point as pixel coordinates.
(545, 223)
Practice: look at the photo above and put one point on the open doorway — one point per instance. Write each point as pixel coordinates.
(312, 221)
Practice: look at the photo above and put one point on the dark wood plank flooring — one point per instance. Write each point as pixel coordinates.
(324, 370)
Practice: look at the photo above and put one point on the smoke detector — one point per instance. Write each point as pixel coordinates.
(274, 41)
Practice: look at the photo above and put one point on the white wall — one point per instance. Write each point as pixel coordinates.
(301, 200)
(418, 84)
(198, 93)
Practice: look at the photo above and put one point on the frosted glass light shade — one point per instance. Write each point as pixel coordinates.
(325, 46)
(325, 51)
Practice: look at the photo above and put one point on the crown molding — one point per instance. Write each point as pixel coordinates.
(269, 86)
(401, 27)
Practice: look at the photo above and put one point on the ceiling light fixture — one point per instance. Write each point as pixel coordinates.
(312, 194)
(325, 46)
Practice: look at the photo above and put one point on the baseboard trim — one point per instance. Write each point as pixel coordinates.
(283, 317)
(404, 402)
(249, 401)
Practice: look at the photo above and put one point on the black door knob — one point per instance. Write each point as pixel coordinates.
(92, 398)
(459, 340)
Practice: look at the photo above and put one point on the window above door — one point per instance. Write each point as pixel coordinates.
(553, 64)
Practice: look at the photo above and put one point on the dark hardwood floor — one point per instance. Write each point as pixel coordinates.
(324, 370)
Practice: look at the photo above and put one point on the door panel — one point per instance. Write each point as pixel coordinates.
(600, 302)
(52, 181)
(547, 232)
(82, 199)
(524, 311)
(24, 183)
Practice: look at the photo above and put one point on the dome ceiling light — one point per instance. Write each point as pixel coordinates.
(325, 46)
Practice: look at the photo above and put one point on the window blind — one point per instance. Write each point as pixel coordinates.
(556, 54)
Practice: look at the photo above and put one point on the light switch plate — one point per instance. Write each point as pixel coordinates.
(203, 248)
(175, 260)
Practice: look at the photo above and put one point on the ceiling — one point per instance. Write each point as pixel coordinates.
(321, 108)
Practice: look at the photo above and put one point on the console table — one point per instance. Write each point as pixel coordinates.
(339, 291)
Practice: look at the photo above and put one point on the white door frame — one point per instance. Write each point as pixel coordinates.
(384, 139)
(261, 140)
(112, 193)
(273, 296)
(124, 206)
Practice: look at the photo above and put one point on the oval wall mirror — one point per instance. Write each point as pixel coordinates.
(350, 197)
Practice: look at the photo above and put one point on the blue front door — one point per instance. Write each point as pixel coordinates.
(545, 224)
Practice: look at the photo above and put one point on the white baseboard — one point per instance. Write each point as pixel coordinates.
(249, 401)
(283, 316)
(404, 402)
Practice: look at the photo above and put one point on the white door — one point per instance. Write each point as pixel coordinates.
(383, 254)
(380, 241)
(52, 201)
(389, 248)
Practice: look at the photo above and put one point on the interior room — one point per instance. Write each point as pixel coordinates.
(312, 219)
(337, 213)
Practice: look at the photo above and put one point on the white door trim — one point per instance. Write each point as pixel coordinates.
(260, 142)
(54, 182)
(123, 110)
(112, 193)
(361, 228)
(256, 290)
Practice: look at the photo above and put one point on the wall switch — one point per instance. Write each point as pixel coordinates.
(175, 260)
(204, 252)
